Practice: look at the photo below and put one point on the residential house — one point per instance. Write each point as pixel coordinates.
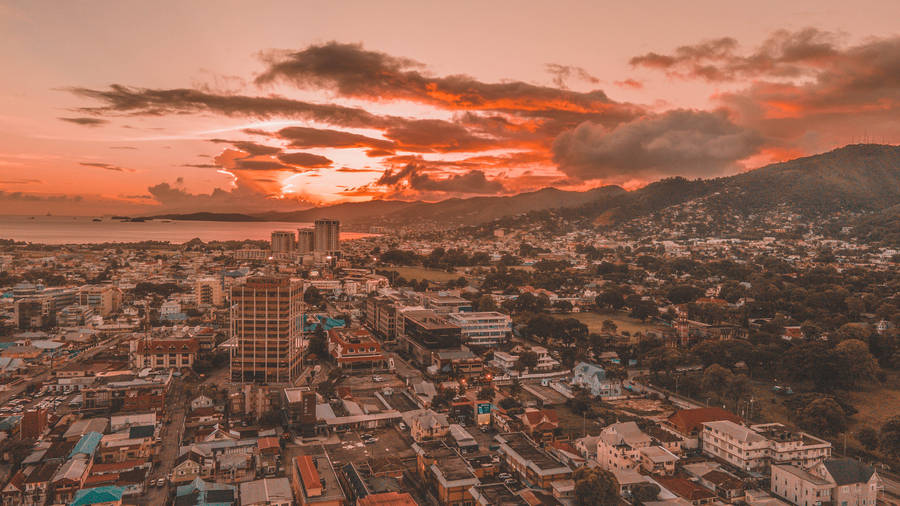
(593, 378)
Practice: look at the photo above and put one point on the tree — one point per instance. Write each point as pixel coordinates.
(595, 486)
(610, 298)
(716, 379)
(645, 492)
(609, 327)
(485, 303)
(868, 437)
(486, 393)
(823, 416)
(683, 294)
(860, 364)
(313, 297)
(890, 437)
(527, 360)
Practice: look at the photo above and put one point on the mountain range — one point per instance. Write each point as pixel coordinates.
(859, 177)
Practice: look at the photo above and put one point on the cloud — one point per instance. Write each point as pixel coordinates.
(678, 142)
(90, 122)
(20, 181)
(352, 71)
(249, 147)
(106, 166)
(783, 54)
(415, 176)
(243, 197)
(307, 160)
(354, 170)
(119, 99)
(433, 135)
(307, 137)
(806, 90)
(562, 74)
(32, 197)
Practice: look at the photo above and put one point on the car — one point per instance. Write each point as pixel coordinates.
(370, 441)
(504, 476)
(366, 436)
(402, 426)
(377, 379)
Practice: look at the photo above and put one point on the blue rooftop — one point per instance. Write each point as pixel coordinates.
(97, 495)
(87, 445)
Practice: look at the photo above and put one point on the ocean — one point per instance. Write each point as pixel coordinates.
(84, 230)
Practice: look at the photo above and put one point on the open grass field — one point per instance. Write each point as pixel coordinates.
(875, 405)
(594, 321)
(419, 273)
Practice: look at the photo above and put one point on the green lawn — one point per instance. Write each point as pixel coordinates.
(623, 322)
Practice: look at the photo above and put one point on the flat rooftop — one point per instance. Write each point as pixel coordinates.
(528, 450)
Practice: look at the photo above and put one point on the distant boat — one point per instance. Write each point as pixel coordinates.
(97, 219)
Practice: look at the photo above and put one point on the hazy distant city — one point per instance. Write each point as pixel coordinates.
(407, 254)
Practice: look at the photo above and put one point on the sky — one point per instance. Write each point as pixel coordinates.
(151, 107)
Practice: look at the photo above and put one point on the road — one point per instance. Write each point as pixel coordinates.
(170, 435)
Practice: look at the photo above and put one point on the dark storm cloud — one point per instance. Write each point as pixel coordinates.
(91, 122)
(679, 142)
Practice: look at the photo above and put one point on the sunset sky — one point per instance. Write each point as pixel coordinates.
(146, 107)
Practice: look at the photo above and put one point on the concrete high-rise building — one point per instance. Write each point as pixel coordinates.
(210, 292)
(282, 241)
(328, 236)
(306, 240)
(266, 318)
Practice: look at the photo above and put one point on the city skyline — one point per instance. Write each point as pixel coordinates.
(309, 106)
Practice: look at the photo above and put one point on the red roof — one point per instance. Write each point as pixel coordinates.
(267, 444)
(542, 417)
(687, 421)
(309, 475)
(169, 346)
(685, 489)
(115, 467)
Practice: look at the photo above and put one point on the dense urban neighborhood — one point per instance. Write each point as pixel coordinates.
(500, 364)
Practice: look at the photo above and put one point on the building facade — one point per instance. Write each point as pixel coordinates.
(266, 316)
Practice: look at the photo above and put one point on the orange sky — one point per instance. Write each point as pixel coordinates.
(228, 106)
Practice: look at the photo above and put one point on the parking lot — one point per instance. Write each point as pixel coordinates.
(388, 443)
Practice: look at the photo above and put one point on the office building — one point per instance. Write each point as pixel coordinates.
(328, 236)
(266, 315)
(488, 328)
(103, 299)
(425, 332)
(282, 241)
(306, 240)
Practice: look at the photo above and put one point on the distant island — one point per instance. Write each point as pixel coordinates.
(206, 217)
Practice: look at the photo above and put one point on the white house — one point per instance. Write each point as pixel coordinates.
(593, 378)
